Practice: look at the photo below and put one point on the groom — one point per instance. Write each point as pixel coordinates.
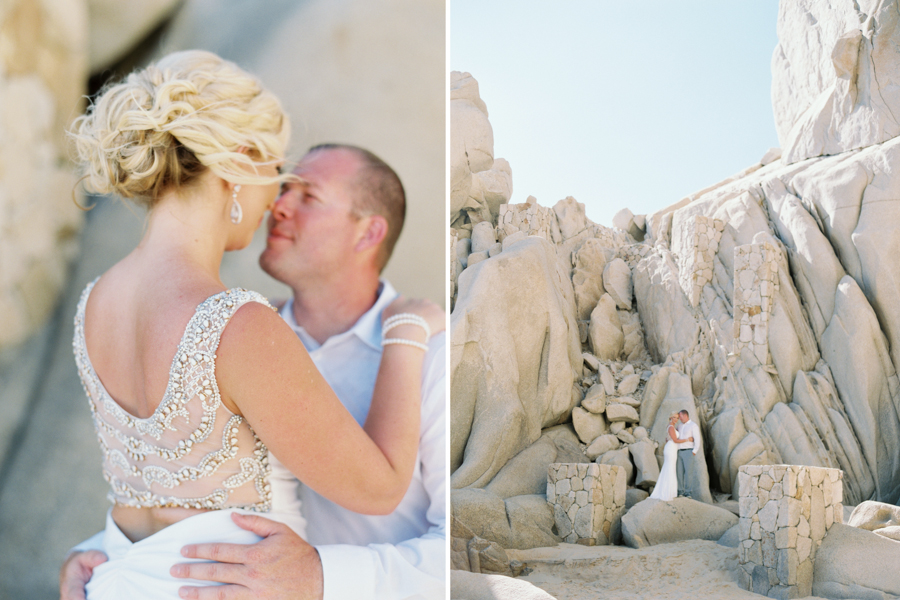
(687, 452)
(329, 238)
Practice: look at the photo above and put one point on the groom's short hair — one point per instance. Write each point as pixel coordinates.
(684, 412)
(377, 191)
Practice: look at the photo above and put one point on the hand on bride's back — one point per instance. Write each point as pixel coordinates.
(432, 313)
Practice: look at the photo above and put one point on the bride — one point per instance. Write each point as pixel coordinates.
(667, 485)
(190, 384)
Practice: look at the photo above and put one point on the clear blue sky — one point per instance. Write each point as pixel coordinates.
(620, 104)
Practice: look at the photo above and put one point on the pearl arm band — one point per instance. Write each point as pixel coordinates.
(404, 342)
(405, 319)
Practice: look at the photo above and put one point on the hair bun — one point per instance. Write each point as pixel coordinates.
(166, 124)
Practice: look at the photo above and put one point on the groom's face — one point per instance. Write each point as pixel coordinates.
(312, 228)
(683, 417)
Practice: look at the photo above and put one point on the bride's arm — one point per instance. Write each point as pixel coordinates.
(265, 373)
(675, 438)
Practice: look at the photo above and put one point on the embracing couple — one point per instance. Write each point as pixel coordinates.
(208, 405)
(679, 455)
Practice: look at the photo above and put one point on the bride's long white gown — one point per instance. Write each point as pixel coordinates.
(667, 484)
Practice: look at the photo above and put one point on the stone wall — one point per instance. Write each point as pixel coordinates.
(588, 502)
(786, 511)
(755, 283)
(695, 259)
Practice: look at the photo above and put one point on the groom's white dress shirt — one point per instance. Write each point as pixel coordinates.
(686, 430)
(400, 555)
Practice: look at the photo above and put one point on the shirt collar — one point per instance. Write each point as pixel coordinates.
(367, 328)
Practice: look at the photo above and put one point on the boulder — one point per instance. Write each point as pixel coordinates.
(855, 563)
(519, 522)
(629, 384)
(669, 324)
(617, 282)
(601, 445)
(633, 496)
(654, 522)
(595, 399)
(530, 522)
(510, 378)
(475, 586)
(526, 472)
(892, 532)
(621, 412)
(607, 339)
(483, 237)
(588, 425)
(871, 515)
(587, 278)
(117, 27)
(857, 98)
(570, 216)
(643, 454)
(621, 458)
(487, 557)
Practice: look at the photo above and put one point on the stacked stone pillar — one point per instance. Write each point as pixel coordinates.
(786, 511)
(588, 502)
(755, 283)
(696, 270)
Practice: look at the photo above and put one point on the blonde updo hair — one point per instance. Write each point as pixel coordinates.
(165, 125)
(673, 415)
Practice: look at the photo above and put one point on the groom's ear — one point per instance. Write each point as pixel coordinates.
(374, 229)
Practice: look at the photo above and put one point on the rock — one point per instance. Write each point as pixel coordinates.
(474, 586)
(669, 325)
(625, 436)
(871, 515)
(520, 522)
(43, 74)
(617, 282)
(623, 219)
(588, 425)
(530, 522)
(855, 563)
(854, 103)
(601, 445)
(526, 472)
(641, 434)
(628, 385)
(590, 360)
(587, 278)
(509, 381)
(475, 258)
(627, 400)
(487, 557)
(607, 339)
(607, 379)
(621, 458)
(654, 522)
(483, 237)
(118, 27)
(617, 427)
(570, 216)
(595, 399)
(512, 239)
(892, 532)
(621, 412)
(731, 538)
(471, 142)
(483, 513)
(643, 454)
(633, 496)
(495, 249)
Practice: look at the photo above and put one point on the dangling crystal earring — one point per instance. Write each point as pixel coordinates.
(236, 213)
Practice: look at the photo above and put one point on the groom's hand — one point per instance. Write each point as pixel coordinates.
(76, 572)
(280, 566)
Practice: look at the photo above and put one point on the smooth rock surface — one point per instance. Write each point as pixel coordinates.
(654, 522)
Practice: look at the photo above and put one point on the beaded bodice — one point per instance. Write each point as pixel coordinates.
(192, 451)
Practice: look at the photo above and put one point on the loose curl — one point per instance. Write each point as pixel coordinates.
(165, 125)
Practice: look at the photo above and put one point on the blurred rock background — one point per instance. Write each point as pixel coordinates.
(370, 73)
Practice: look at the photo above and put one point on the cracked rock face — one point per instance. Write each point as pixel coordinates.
(766, 305)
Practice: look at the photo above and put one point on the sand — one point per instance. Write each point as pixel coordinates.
(690, 569)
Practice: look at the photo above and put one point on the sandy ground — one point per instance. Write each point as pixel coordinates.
(690, 570)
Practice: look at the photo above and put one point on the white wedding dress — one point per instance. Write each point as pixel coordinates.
(667, 484)
(191, 452)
